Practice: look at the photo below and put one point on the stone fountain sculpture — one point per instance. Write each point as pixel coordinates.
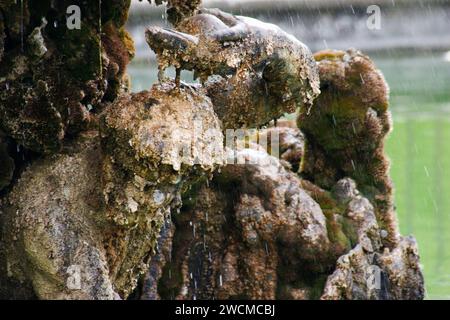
(132, 198)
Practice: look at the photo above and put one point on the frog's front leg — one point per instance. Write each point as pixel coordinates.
(177, 77)
(161, 74)
(172, 48)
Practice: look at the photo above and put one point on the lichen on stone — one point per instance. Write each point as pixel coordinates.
(260, 71)
(58, 76)
(346, 130)
(135, 194)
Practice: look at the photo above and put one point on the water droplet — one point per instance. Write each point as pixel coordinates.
(426, 171)
(158, 197)
(447, 56)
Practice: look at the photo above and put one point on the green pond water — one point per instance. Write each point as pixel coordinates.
(419, 149)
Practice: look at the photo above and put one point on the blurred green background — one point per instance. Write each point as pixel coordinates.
(419, 148)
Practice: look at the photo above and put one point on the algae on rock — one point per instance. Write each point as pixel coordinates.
(260, 71)
(100, 205)
(131, 195)
(58, 76)
(346, 130)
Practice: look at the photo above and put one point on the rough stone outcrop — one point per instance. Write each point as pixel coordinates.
(260, 71)
(258, 211)
(99, 206)
(158, 143)
(346, 130)
(343, 147)
(381, 276)
(134, 195)
(258, 231)
(53, 78)
(290, 143)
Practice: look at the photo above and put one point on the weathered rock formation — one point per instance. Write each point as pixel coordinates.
(260, 231)
(106, 194)
(99, 205)
(57, 75)
(346, 129)
(260, 72)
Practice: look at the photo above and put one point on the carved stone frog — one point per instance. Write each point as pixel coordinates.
(260, 72)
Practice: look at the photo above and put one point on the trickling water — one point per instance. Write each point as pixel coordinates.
(447, 56)
(426, 171)
(21, 26)
(353, 165)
